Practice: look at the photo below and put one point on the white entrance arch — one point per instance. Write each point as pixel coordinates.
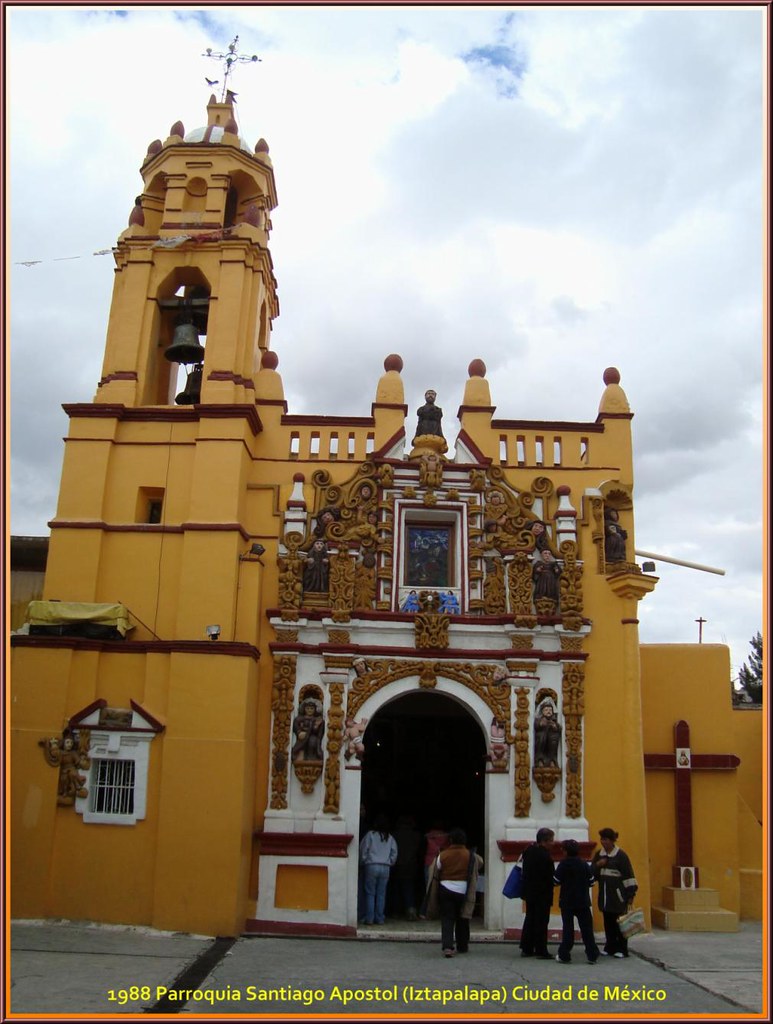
(497, 787)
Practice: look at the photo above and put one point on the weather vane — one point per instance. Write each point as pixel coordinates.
(230, 58)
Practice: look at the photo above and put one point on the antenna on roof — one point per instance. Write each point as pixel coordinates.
(230, 57)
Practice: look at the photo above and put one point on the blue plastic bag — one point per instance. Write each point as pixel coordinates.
(512, 887)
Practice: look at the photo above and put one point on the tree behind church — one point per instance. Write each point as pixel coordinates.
(750, 676)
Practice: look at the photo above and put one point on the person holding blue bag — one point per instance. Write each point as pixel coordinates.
(537, 894)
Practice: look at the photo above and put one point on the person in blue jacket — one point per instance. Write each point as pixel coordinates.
(575, 877)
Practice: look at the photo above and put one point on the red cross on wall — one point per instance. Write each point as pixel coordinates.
(683, 762)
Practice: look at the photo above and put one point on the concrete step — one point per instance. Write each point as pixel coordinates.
(689, 899)
(707, 920)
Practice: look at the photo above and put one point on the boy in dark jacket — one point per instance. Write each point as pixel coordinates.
(575, 876)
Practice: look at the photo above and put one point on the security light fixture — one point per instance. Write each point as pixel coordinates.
(213, 632)
(253, 555)
(648, 567)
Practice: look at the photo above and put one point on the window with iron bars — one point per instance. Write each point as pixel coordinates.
(113, 787)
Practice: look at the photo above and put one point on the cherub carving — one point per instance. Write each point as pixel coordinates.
(62, 754)
(354, 738)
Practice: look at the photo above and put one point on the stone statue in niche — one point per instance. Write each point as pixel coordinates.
(547, 734)
(545, 572)
(62, 754)
(429, 417)
(411, 603)
(449, 603)
(308, 729)
(316, 571)
(614, 536)
(355, 731)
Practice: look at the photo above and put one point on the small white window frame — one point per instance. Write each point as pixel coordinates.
(131, 743)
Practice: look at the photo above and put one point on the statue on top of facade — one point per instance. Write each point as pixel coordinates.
(429, 417)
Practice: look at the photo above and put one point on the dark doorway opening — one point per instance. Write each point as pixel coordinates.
(425, 756)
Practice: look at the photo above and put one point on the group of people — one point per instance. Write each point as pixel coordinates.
(610, 870)
(451, 872)
(407, 855)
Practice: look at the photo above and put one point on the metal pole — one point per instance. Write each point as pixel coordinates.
(679, 561)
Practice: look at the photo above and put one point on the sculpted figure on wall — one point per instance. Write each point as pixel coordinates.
(614, 536)
(429, 417)
(64, 755)
(308, 729)
(547, 734)
(316, 571)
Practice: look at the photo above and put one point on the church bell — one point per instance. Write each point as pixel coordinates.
(185, 347)
(191, 393)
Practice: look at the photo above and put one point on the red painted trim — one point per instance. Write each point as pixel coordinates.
(66, 524)
(118, 375)
(96, 705)
(227, 412)
(76, 720)
(165, 414)
(206, 647)
(246, 382)
(474, 450)
(299, 420)
(593, 428)
(614, 416)
(431, 654)
(252, 926)
(371, 615)
(303, 844)
(475, 408)
(393, 440)
(272, 401)
(152, 721)
(511, 849)
(217, 528)
(629, 622)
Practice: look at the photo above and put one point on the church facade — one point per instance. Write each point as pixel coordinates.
(259, 629)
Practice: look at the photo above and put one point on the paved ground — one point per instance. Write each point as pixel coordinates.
(74, 969)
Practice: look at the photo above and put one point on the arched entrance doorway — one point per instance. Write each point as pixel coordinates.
(425, 755)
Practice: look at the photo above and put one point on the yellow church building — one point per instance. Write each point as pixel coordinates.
(258, 627)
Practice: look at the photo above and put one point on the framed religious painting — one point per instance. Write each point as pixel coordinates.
(428, 555)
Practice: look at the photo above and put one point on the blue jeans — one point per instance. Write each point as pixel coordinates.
(376, 878)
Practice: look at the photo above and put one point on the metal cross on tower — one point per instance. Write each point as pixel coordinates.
(230, 57)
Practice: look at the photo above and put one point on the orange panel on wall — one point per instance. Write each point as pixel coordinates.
(301, 887)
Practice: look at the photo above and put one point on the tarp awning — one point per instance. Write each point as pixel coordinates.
(76, 617)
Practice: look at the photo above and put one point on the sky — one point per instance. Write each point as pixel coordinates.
(553, 190)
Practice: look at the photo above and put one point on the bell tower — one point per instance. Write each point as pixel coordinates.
(194, 282)
(157, 469)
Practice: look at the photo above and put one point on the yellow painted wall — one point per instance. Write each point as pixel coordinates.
(691, 682)
(186, 866)
(748, 730)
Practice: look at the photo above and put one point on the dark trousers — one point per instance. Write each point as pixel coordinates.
(585, 922)
(615, 942)
(450, 905)
(534, 933)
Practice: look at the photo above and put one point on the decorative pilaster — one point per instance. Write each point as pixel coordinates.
(573, 706)
(281, 711)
